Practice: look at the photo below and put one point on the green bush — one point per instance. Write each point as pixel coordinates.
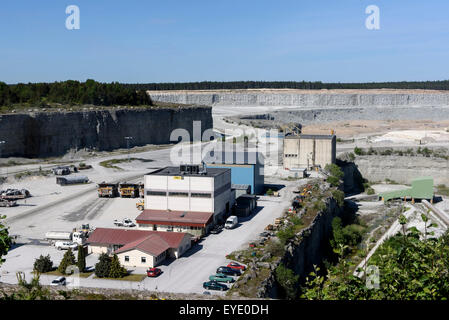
(370, 191)
(339, 196)
(286, 234)
(43, 264)
(358, 151)
(81, 259)
(103, 267)
(116, 270)
(67, 260)
(287, 280)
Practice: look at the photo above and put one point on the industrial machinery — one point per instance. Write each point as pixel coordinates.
(53, 236)
(128, 190)
(140, 205)
(14, 194)
(108, 190)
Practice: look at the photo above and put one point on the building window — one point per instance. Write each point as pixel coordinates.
(200, 195)
(178, 194)
(143, 259)
(126, 258)
(157, 193)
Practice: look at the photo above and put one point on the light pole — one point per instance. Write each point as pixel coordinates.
(127, 144)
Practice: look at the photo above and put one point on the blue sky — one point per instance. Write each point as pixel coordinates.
(182, 41)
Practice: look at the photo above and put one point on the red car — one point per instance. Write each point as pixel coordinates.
(236, 266)
(154, 272)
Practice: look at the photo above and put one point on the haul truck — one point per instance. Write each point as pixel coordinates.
(108, 190)
(78, 237)
(128, 190)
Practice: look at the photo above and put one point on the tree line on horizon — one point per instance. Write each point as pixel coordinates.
(318, 85)
(72, 93)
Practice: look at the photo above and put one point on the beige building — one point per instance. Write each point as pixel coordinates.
(139, 248)
(307, 151)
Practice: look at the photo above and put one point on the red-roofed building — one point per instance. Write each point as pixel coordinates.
(139, 248)
(194, 223)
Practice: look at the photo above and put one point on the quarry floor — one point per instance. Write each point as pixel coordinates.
(54, 207)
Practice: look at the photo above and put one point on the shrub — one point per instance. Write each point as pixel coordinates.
(287, 280)
(286, 234)
(103, 267)
(339, 196)
(43, 264)
(81, 259)
(358, 151)
(116, 270)
(67, 260)
(370, 191)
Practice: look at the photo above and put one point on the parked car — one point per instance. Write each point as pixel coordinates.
(59, 281)
(217, 229)
(214, 285)
(231, 222)
(89, 269)
(236, 266)
(124, 223)
(228, 271)
(154, 272)
(64, 245)
(220, 277)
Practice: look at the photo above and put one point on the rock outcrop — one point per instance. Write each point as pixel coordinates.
(44, 134)
(302, 98)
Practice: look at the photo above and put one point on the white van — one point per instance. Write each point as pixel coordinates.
(231, 222)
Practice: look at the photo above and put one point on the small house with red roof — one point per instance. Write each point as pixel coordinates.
(139, 248)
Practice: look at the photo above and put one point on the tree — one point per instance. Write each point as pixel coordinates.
(116, 270)
(103, 267)
(81, 262)
(67, 260)
(5, 239)
(43, 264)
(287, 280)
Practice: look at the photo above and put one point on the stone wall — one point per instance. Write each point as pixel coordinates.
(44, 134)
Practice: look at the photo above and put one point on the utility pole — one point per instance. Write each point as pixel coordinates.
(127, 144)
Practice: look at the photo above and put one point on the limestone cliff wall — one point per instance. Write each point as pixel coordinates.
(43, 134)
(320, 99)
(403, 169)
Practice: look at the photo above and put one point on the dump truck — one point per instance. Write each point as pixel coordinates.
(14, 194)
(78, 236)
(128, 190)
(140, 205)
(107, 190)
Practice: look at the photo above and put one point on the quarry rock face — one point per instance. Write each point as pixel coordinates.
(302, 99)
(43, 134)
(403, 169)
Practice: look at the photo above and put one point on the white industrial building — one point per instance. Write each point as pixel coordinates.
(188, 196)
